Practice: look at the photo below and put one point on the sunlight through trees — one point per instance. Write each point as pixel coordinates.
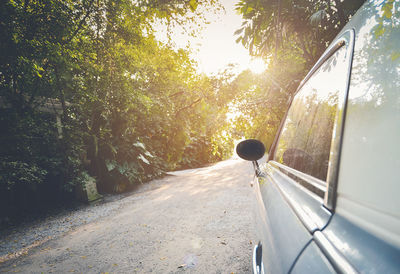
(87, 91)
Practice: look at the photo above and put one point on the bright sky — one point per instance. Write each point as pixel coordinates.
(215, 47)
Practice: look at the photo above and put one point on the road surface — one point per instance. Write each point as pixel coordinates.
(192, 221)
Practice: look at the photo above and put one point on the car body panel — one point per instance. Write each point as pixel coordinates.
(311, 259)
(368, 183)
(365, 252)
(356, 226)
(305, 204)
(365, 227)
(274, 219)
(289, 212)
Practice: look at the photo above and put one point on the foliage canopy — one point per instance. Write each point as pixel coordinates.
(290, 35)
(86, 90)
(129, 107)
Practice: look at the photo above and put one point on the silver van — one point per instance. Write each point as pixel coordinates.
(329, 193)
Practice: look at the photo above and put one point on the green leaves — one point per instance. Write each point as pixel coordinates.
(122, 107)
(302, 26)
(16, 172)
(193, 5)
(291, 35)
(387, 9)
(38, 70)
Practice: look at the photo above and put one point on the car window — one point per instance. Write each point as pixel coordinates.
(306, 135)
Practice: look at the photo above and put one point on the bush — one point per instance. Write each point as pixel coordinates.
(33, 165)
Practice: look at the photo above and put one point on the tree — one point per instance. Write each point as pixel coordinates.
(290, 36)
(304, 27)
(132, 107)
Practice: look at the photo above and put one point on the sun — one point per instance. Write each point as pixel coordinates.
(257, 65)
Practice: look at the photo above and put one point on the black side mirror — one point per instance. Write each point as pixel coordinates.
(250, 150)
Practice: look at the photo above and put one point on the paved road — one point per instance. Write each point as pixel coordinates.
(194, 221)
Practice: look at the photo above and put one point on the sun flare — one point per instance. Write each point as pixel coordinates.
(257, 65)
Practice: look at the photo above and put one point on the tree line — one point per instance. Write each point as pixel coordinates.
(88, 91)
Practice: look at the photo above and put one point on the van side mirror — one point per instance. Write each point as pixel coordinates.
(250, 150)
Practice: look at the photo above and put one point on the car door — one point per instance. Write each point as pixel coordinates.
(291, 185)
(363, 234)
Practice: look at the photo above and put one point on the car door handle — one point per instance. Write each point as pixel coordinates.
(258, 266)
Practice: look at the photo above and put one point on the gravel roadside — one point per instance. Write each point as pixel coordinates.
(193, 221)
(19, 240)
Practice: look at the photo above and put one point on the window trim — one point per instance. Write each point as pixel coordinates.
(308, 179)
(346, 39)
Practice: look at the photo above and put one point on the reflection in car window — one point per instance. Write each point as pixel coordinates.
(306, 136)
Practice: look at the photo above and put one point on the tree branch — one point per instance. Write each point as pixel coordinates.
(188, 106)
(81, 22)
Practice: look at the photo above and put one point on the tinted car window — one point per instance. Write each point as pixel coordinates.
(306, 136)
